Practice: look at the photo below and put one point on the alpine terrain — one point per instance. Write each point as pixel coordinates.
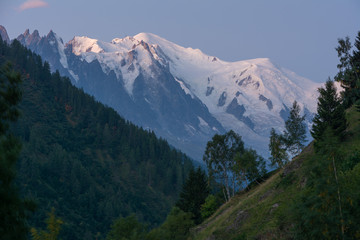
(182, 94)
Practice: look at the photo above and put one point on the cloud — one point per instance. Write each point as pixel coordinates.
(33, 4)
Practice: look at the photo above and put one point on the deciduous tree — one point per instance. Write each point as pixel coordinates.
(219, 158)
(277, 149)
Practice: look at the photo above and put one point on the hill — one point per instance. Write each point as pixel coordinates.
(305, 193)
(83, 159)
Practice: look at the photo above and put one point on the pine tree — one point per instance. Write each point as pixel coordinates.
(349, 70)
(194, 192)
(330, 113)
(295, 130)
(13, 210)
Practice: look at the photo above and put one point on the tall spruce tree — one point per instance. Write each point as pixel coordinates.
(330, 113)
(194, 192)
(14, 211)
(349, 69)
(295, 130)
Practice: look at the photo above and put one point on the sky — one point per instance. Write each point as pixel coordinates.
(300, 35)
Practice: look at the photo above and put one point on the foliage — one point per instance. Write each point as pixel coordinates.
(295, 130)
(330, 113)
(175, 227)
(219, 158)
(228, 161)
(53, 228)
(328, 206)
(128, 228)
(277, 150)
(210, 205)
(349, 69)
(84, 159)
(193, 193)
(291, 141)
(316, 196)
(248, 167)
(14, 211)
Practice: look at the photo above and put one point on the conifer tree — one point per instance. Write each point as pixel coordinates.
(330, 113)
(194, 192)
(349, 70)
(295, 130)
(14, 211)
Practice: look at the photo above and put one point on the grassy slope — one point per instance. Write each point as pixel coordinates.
(261, 212)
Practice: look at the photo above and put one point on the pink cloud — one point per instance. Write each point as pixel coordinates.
(33, 4)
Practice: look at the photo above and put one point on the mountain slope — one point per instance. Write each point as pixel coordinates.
(271, 209)
(181, 93)
(83, 159)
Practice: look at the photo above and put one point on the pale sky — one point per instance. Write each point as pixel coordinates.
(300, 35)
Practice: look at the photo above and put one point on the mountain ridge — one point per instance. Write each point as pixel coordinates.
(151, 80)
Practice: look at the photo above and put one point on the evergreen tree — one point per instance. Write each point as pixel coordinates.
(194, 192)
(349, 70)
(13, 210)
(330, 113)
(295, 130)
(320, 209)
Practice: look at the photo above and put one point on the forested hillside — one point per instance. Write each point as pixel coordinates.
(83, 159)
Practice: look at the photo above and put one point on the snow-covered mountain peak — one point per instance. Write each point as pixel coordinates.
(85, 44)
(181, 93)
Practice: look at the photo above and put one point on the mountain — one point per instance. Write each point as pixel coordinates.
(182, 94)
(3, 34)
(81, 158)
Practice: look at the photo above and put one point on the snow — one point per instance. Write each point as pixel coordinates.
(60, 46)
(76, 77)
(196, 72)
(203, 122)
(186, 89)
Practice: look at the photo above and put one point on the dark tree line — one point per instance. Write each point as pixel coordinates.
(14, 210)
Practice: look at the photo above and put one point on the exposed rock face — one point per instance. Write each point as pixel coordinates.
(4, 35)
(238, 111)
